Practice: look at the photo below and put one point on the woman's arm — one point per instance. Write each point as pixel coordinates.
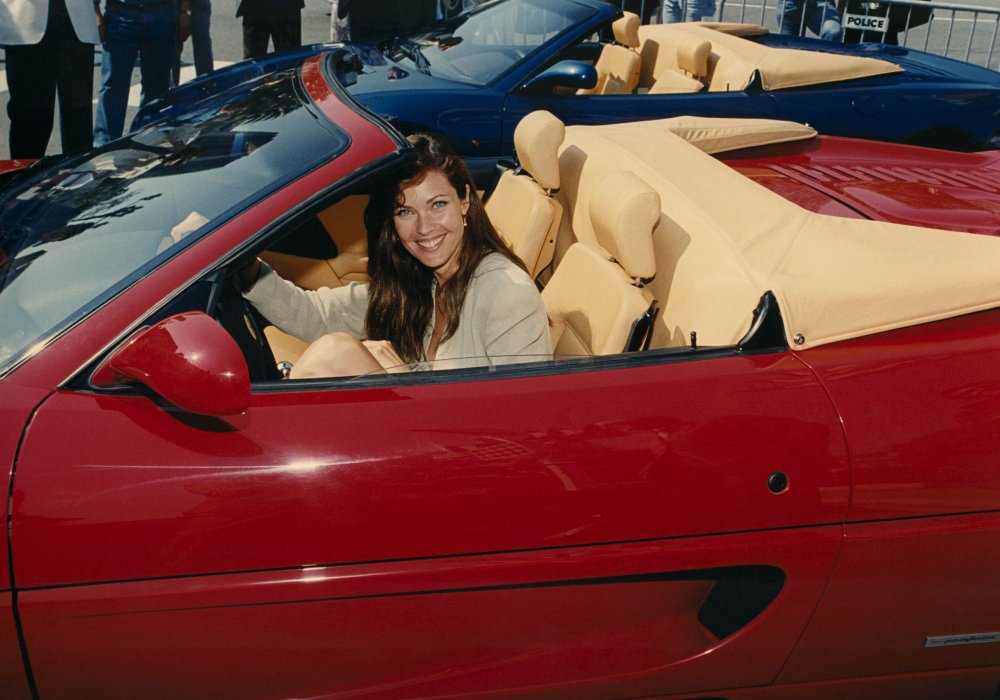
(303, 313)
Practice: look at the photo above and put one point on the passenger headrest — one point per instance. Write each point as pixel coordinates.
(624, 210)
(626, 29)
(537, 139)
(692, 54)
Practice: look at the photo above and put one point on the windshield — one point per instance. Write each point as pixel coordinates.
(75, 234)
(480, 47)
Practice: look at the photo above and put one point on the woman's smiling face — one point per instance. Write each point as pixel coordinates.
(430, 223)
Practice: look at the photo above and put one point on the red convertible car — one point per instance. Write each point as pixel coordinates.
(779, 480)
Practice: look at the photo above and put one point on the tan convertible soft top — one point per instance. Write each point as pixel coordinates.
(723, 241)
(734, 61)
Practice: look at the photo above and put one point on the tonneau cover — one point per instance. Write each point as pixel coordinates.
(723, 241)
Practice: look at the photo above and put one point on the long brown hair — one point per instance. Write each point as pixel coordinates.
(401, 294)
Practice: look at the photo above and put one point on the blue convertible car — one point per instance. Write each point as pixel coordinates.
(475, 75)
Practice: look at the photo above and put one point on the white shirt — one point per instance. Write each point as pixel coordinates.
(23, 22)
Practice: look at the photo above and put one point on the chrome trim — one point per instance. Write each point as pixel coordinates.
(960, 639)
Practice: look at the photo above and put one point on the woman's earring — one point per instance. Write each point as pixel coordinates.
(465, 224)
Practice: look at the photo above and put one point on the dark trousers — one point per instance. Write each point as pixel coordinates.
(201, 41)
(59, 64)
(256, 34)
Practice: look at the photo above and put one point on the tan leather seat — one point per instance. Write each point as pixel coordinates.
(690, 72)
(618, 65)
(521, 206)
(344, 222)
(595, 300)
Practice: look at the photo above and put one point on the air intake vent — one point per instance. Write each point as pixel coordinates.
(940, 177)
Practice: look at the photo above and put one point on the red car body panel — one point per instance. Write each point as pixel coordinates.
(505, 625)
(7, 166)
(625, 464)
(966, 683)
(12, 677)
(939, 382)
(16, 407)
(603, 531)
(937, 577)
(881, 181)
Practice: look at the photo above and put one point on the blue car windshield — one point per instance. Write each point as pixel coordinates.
(479, 47)
(76, 233)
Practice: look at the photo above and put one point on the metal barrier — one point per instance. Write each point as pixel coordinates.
(964, 32)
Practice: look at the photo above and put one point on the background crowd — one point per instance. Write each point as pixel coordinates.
(50, 46)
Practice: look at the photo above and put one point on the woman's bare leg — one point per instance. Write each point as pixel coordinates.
(335, 355)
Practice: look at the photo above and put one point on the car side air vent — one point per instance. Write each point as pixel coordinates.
(739, 595)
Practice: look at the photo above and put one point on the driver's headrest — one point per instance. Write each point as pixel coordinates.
(626, 29)
(537, 139)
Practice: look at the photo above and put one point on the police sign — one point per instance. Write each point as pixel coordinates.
(866, 22)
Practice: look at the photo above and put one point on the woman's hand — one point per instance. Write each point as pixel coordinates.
(386, 356)
(249, 274)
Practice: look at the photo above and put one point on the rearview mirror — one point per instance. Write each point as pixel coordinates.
(576, 75)
(189, 360)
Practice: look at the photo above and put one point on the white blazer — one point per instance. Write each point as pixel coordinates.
(23, 21)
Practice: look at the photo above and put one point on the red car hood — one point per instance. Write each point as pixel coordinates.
(885, 182)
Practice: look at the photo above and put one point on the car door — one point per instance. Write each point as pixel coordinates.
(16, 405)
(608, 528)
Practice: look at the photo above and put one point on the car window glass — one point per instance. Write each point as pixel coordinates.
(76, 233)
(482, 46)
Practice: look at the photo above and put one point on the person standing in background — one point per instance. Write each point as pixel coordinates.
(646, 9)
(144, 28)
(277, 21)
(819, 16)
(686, 10)
(49, 47)
(371, 20)
(201, 40)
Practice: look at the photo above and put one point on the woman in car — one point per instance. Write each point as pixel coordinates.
(444, 285)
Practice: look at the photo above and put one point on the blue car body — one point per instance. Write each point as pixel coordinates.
(934, 101)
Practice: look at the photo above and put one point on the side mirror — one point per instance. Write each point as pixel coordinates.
(575, 75)
(346, 66)
(189, 360)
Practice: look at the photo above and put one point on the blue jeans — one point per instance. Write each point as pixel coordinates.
(686, 10)
(821, 18)
(201, 40)
(148, 32)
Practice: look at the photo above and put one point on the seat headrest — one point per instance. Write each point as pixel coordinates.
(692, 55)
(626, 30)
(537, 139)
(624, 210)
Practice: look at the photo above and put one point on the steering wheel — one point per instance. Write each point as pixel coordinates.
(241, 319)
